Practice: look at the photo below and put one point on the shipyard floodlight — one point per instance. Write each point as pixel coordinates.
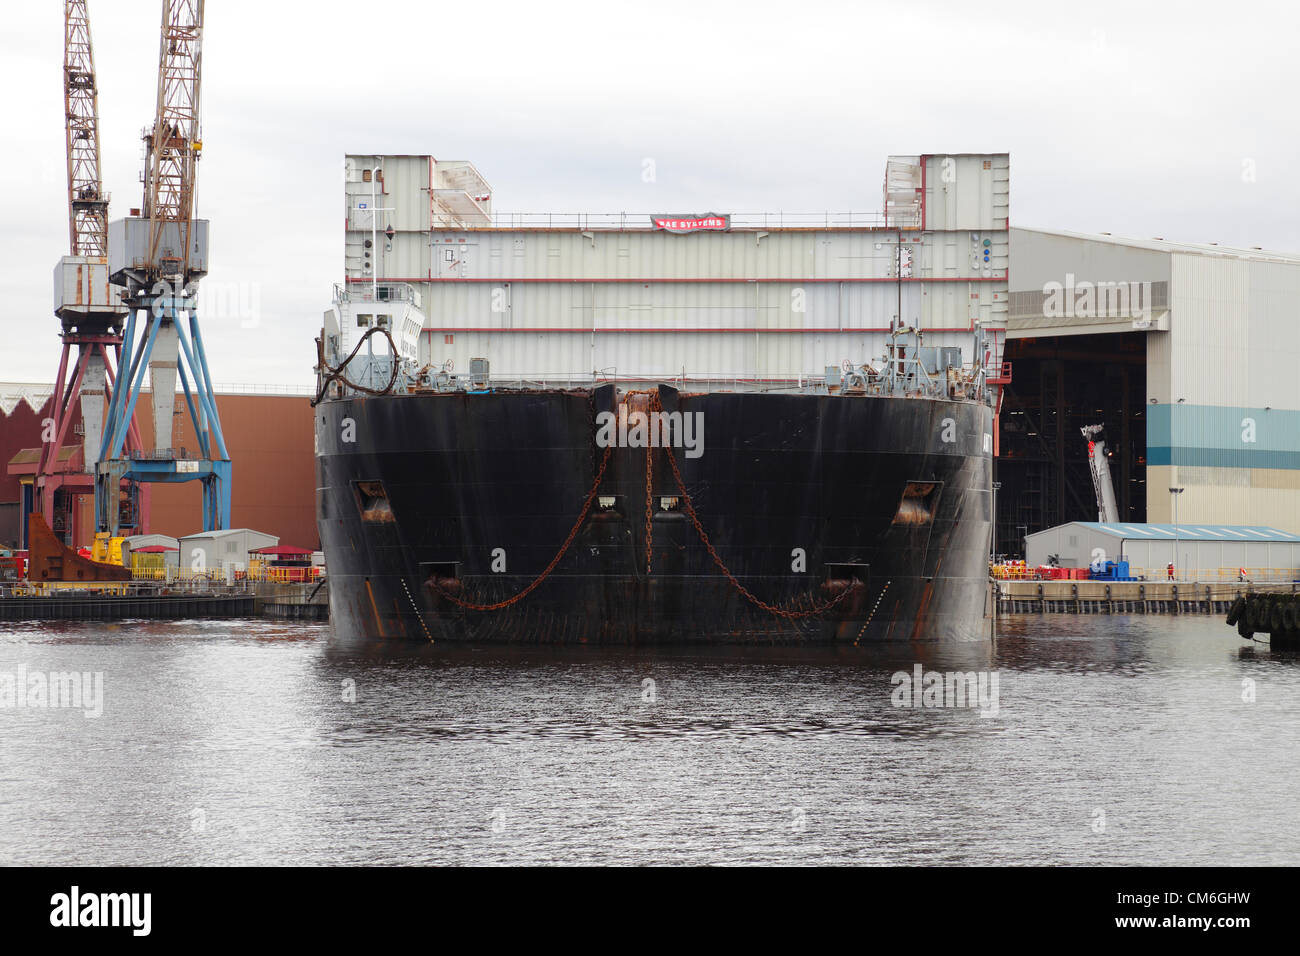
(1174, 493)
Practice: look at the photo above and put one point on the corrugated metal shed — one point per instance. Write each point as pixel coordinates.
(1200, 547)
(213, 550)
(1167, 532)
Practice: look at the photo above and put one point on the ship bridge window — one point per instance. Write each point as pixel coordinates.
(363, 321)
(383, 321)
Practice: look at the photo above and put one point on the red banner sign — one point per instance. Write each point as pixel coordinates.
(709, 222)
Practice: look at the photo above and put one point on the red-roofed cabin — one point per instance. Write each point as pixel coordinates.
(281, 562)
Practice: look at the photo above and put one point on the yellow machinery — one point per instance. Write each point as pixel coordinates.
(107, 549)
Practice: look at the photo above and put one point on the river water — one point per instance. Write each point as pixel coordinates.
(1116, 740)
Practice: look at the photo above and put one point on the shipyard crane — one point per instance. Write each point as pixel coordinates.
(158, 258)
(89, 308)
(1107, 510)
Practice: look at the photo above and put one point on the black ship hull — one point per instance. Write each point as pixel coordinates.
(829, 519)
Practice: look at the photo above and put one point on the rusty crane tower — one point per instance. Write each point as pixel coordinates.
(157, 259)
(89, 308)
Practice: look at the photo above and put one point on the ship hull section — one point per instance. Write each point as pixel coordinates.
(852, 519)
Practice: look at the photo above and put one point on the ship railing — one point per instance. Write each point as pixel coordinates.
(1242, 576)
(175, 575)
(282, 575)
(161, 454)
(1227, 577)
(622, 221)
(687, 383)
(386, 291)
(813, 383)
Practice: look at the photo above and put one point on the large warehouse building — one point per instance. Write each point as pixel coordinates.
(1189, 355)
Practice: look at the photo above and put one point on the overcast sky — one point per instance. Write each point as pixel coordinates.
(1139, 119)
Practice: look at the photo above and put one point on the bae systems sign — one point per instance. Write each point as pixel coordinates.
(709, 222)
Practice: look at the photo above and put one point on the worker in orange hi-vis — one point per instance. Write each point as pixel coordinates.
(1171, 570)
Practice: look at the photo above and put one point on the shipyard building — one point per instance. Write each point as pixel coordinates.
(1186, 354)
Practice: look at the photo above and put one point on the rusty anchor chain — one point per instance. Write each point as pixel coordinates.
(722, 566)
(649, 504)
(653, 405)
(573, 533)
(788, 614)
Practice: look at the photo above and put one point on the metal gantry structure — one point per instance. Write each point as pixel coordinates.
(173, 144)
(89, 308)
(157, 259)
(87, 204)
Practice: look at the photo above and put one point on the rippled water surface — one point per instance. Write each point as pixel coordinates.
(1117, 740)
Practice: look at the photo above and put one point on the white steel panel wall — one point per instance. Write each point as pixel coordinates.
(1209, 335)
(398, 196)
(741, 254)
(576, 355)
(510, 294)
(1234, 338)
(967, 191)
(402, 188)
(814, 305)
(1273, 335)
